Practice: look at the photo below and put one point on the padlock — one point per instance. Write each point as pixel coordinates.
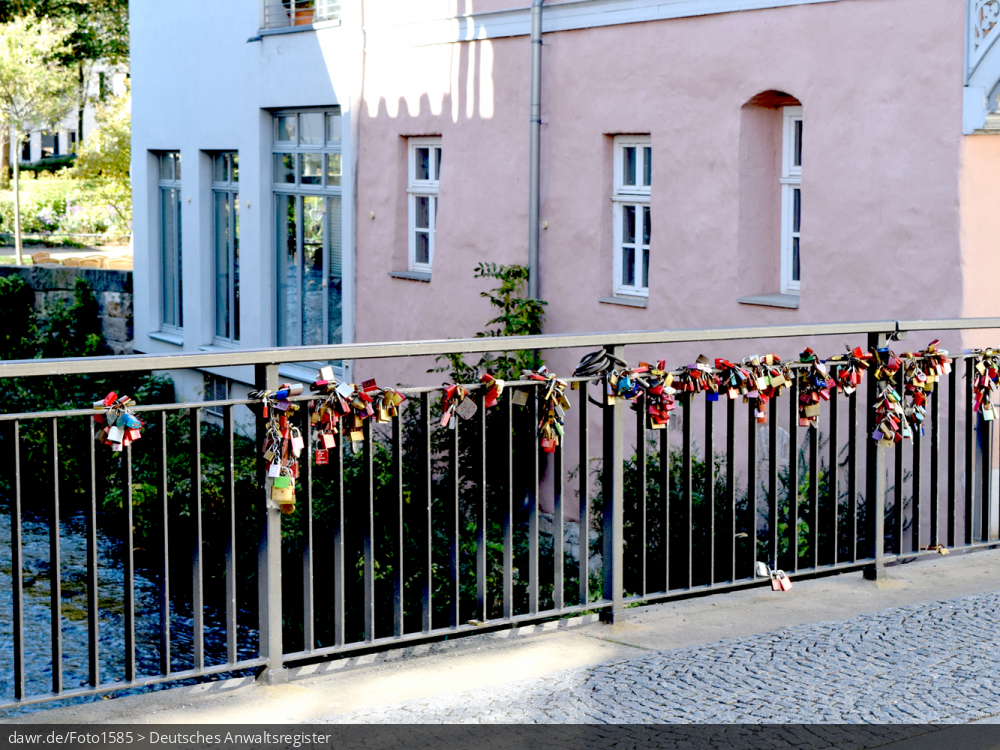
(283, 493)
(322, 457)
(761, 569)
(780, 581)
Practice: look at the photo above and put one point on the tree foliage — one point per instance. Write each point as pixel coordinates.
(103, 159)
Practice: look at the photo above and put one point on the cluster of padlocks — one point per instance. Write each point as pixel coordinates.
(120, 427)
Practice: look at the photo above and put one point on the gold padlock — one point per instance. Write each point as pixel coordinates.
(283, 493)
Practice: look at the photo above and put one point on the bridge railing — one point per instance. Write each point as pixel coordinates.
(169, 552)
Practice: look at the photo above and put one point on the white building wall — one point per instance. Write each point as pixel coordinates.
(205, 79)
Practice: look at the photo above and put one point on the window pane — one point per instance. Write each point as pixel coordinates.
(628, 266)
(333, 128)
(170, 255)
(647, 166)
(335, 289)
(176, 158)
(423, 164)
(628, 165)
(796, 209)
(645, 268)
(423, 212)
(284, 128)
(313, 211)
(220, 168)
(311, 124)
(236, 261)
(795, 259)
(289, 304)
(628, 224)
(166, 167)
(437, 166)
(234, 167)
(423, 248)
(284, 168)
(332, 170)
(645, 225)
(311, 166)
(797, 158)
(221, 263)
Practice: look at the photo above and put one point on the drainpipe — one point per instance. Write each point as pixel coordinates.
(535, 155)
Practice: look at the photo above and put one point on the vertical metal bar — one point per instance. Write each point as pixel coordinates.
(639, 535)
(985, 436)
(230, 499)
(584, 493)
(665, 499)
(708, 490)
(833, 480)
(454, 616)
(308, 604)
(952, 452)
(481, 521)
(557, 530)
(752, 482)
(164, 592)
(533, 506)
(508, 516)
(55, 565)
(970, 445)
(687, 489)
(17, 568)
(852, 476)
(268, 552)
(772, 481)
(874, 477)
(731, 483)
(337, 457)
(398, 602)
(197, 564)
(613, 477)
(935, 460)
(898, 519)
(814, 495)
(793, 472)
(128, 601)
(368, 576)
(93, 591)
(427, 615)
(917, 492)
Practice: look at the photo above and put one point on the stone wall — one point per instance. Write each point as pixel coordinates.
(54, 285)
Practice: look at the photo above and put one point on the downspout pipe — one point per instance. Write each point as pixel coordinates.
(535, 152)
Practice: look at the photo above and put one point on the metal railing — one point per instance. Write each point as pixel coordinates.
(428, 532)
(284, 13)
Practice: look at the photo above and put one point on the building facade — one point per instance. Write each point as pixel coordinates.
(319, 172)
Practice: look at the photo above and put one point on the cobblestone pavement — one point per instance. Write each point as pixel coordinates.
(926, 663)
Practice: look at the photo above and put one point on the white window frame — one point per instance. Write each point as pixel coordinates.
(791, 181)
(176, 292)
(638, 197)
(231, 188)
(422, 189)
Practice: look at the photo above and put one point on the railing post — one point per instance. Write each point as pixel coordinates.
(613, 478)
(269, 555)
(874, 476)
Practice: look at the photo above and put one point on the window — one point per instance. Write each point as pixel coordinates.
(226, 244)
(50, 144)
(424, 174)
(216, 389)
(26, 149)
(307, 163)
(633, 164)
(282, 13)
(791, 199)
(71, 141)
(171, 288)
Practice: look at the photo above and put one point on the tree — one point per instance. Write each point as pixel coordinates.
(103, 159)
(35, 89)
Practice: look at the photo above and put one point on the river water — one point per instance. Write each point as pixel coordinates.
(37, 614)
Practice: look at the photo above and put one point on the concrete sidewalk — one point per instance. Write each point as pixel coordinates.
(534, 674)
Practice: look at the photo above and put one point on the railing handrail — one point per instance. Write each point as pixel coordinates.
(382, 350)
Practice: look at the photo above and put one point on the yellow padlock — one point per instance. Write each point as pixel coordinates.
(283, 493)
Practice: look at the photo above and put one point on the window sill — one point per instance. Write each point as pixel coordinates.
(424, 276)
(790, 301)
(219, 347)
(625, 301)
(167, 338)
(294, 29)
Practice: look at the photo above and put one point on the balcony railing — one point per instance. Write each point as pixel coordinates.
(427, 531)
(284, 13)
